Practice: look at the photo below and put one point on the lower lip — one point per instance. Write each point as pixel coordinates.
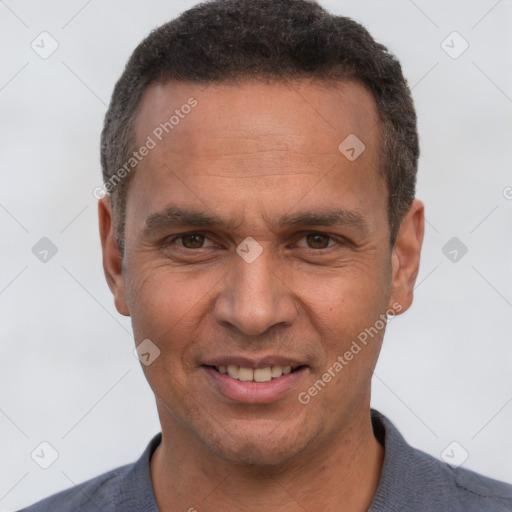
(255, 392)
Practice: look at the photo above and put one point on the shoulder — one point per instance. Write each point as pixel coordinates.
(444, 487)
(412, 480)
(124, 488)
(464, 490)
(97, 493)
(476, 492)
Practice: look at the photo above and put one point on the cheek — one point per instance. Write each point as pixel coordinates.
(347, 301)
(351, 318)
(171, 308)
(161, 307)
(160, 300)
(152, 306)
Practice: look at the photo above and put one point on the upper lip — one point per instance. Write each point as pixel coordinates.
(253, 362)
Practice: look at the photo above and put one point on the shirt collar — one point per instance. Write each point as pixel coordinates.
(409, 478)
(406, 474)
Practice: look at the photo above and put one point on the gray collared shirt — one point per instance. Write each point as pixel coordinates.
(411, 481)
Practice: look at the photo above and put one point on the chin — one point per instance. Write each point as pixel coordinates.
(253, 444)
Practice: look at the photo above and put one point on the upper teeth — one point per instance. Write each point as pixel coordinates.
(258, 375)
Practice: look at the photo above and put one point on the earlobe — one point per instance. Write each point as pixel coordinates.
(405, 259)
(112, 259)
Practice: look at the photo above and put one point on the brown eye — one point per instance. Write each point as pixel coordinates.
(318, 240)
(192, 241)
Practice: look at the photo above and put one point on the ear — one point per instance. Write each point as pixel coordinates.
(112, 259)
(405, 259)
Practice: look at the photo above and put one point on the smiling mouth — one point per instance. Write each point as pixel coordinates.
(265, 374)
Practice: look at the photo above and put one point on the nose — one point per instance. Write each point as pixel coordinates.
(254, 297)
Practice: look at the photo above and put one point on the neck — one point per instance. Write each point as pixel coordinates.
(342, 471)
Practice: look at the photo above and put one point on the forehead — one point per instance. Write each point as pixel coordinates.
(312, 117)
(245, 142)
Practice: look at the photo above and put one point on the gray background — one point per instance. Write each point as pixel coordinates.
(68, 374)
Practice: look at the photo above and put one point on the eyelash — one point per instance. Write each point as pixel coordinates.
(339, 241)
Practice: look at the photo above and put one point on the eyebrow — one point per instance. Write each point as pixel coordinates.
(177, 217)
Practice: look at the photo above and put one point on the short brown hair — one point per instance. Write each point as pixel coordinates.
(225, 41)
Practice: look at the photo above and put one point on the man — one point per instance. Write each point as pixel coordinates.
(260, 228)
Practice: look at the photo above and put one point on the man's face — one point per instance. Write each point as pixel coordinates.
(254, 156)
